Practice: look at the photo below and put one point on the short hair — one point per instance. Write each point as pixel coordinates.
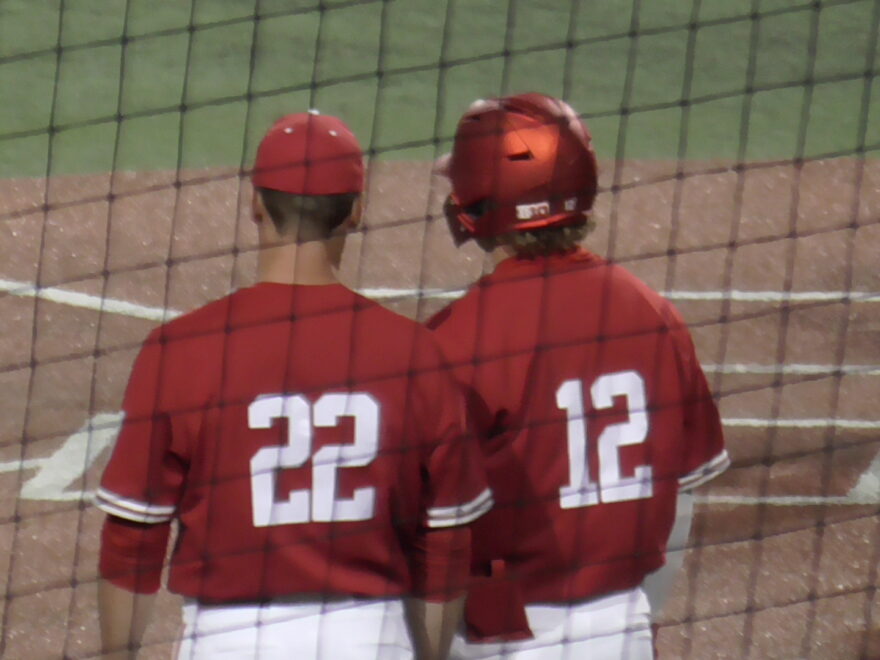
(541, 242)
(317, 216)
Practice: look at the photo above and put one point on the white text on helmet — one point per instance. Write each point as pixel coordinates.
(530, 211)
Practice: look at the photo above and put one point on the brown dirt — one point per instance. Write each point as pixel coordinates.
(761, 582)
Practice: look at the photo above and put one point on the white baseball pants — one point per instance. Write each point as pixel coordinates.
(343, 630)
(615, 627)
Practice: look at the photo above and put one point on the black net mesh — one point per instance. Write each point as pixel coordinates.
(737, 144)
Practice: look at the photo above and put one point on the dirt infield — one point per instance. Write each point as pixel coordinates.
(786, 543)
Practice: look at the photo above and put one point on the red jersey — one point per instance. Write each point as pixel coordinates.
(593, 411)
(302, 436)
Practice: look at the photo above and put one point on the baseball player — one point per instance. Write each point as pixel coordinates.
(308, 443)
(585, 390)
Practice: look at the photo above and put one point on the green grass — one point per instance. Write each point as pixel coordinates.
(169, 96)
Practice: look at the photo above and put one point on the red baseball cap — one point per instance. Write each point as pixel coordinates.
(308, 153)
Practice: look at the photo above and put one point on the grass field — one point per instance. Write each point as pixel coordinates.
(155, 85)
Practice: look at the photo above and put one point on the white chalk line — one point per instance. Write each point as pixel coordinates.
(866, 491)
(777, 500)
(806, 423)
(55, 473)
(867, 488)
(732, 295)
(794, 369)
(777, 296)
(87, 301)
(126, 308)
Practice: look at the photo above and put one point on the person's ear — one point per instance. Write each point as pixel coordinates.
(258, 209)
(441, 165)
(357, 213)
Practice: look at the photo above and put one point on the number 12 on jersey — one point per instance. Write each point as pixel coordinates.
(581, 490)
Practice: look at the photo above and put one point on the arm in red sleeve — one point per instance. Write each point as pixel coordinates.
(704, 456)
(132, 554)
(130, 565)
(441, 563)
(144, 476)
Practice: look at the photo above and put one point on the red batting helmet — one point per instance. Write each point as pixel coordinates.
(518, 163)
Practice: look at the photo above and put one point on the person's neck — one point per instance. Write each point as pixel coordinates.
(309, 263)
(501, 252)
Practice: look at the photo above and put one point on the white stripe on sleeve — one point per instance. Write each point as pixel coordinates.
(449, 516)
(705, 472)
(134, 510)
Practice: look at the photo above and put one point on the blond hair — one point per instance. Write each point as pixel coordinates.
(541, 242)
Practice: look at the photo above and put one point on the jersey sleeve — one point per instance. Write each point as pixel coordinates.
(457, 490)
(704, 456)
(143, 478)
(132, 554)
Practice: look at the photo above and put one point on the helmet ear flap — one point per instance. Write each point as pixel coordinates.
(461, 233)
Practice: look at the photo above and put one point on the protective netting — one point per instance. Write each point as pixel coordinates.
(738, 150)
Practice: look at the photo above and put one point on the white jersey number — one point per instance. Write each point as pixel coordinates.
(613, 486)
(320, 503)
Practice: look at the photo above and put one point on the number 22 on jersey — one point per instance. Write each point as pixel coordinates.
(320, 502)
(581, 490)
